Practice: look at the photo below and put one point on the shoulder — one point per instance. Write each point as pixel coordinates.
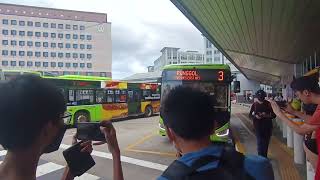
(258, 167)
(162, 178)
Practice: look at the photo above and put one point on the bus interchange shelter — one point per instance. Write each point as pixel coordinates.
(269, 41)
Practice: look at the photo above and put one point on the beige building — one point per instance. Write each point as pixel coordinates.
(54, 40)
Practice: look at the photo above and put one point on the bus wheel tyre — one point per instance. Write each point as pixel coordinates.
(148, 112)
(82, 117)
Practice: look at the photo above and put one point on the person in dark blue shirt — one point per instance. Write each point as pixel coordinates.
(188, 117)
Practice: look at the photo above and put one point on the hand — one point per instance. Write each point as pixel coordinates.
(289, 109)
(86, 146)
(276, 109)
(257, 116)
(111, 137)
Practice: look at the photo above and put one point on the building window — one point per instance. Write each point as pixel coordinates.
(29, 43)
(75, 65)
(216, 52)
(75, 27)
(37, 24)
(21, 63)
(53, 25)
(89, 56)
(60, 45)
(53, 64)
(82, 46)
(5, 63)
(60, 35)
(45, 54)
(37, 54)
(30, 33)
(68, 36)
(60, 64)
(53, 45)
(89, 65)
(89, 37)
(13, 42)
(21, 53)
(68, 55)
(30, 23)
(45, 64)
(75, 36)
(5, 21)
(45, 25)
(22, 23)
(37, 34)
(60, 26)
(68, 65)
(82, 28)
(68, 45)
(45, 34)
(68, 26)
(29, 63)
(53, 35)
(82, 65)
(13, 22)
(21, 43)
(53, 54)
(103, 74)
(75, 55)
(37, 44)
(13, 32)
(75, 46)
(5, 32)
(89, 46)
(37, 64)
(13, 63)
(82, 37)
(60, 55)
(5, 42)
(45, 44)
(13, 53)
(5, 52)
(29, 53)
(82, 56)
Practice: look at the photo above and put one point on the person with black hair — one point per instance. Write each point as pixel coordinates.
(307, 89)
(31, 123)
(261, 113)
(189, 119)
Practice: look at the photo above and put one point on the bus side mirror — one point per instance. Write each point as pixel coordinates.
(236, 86)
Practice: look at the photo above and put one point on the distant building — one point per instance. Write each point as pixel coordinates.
(55, 40)
(172, 55)
(150, 68)
(150, 77)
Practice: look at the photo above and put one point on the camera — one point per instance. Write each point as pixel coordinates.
(89, 131)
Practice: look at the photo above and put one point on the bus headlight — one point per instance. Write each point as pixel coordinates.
(223, 133)
(161, 126)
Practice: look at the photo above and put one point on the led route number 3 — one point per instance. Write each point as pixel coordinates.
(190, 75)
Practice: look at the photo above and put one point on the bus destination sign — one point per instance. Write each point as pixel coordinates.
(197, 75)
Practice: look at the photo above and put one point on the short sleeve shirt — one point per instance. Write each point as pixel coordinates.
(315, 119)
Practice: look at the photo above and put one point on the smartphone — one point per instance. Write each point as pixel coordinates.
(78, 162)
(89, 131)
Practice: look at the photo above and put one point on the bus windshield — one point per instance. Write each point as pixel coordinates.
(218, 91)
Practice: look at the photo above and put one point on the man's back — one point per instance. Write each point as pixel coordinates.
(256, 167)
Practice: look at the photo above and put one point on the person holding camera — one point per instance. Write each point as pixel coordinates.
(32, 123)
(261, 113)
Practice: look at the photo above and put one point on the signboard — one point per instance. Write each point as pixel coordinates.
(197, 75)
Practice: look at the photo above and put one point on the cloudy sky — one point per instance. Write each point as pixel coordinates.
(140, 29)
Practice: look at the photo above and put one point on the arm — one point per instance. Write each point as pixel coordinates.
(67, 175)
(303, 129)
(300, 114)
(251, 111)
(117, 167)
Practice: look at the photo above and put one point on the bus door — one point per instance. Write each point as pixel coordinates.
(134, 101)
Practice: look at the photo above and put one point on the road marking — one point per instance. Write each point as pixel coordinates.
(0, 162)
(153, 152)
(3, 152)
(126, 159)
(245, 126)
(142, 140)
(86, 176)
(47, 168)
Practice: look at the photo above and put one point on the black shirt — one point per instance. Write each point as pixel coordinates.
(265, 123)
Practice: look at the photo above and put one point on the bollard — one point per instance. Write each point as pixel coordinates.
(289, 137)
(299, 155)
(284, 129)
(310, 171)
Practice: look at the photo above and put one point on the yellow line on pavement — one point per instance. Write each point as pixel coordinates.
(153, 152)
(142, 140)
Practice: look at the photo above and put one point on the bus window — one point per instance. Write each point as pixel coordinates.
(130, 96)
(110, 96)
(120, 96)
(84, 97)
(100, 96)
(146, 94)
(71, 97)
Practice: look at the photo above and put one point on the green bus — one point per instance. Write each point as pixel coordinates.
(214, 79)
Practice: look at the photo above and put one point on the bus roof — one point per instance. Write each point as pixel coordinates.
(20, 71)
(196, 66)
(79, 78)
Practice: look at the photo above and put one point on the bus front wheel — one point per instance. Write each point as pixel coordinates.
(82, 117)
(148, 112)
